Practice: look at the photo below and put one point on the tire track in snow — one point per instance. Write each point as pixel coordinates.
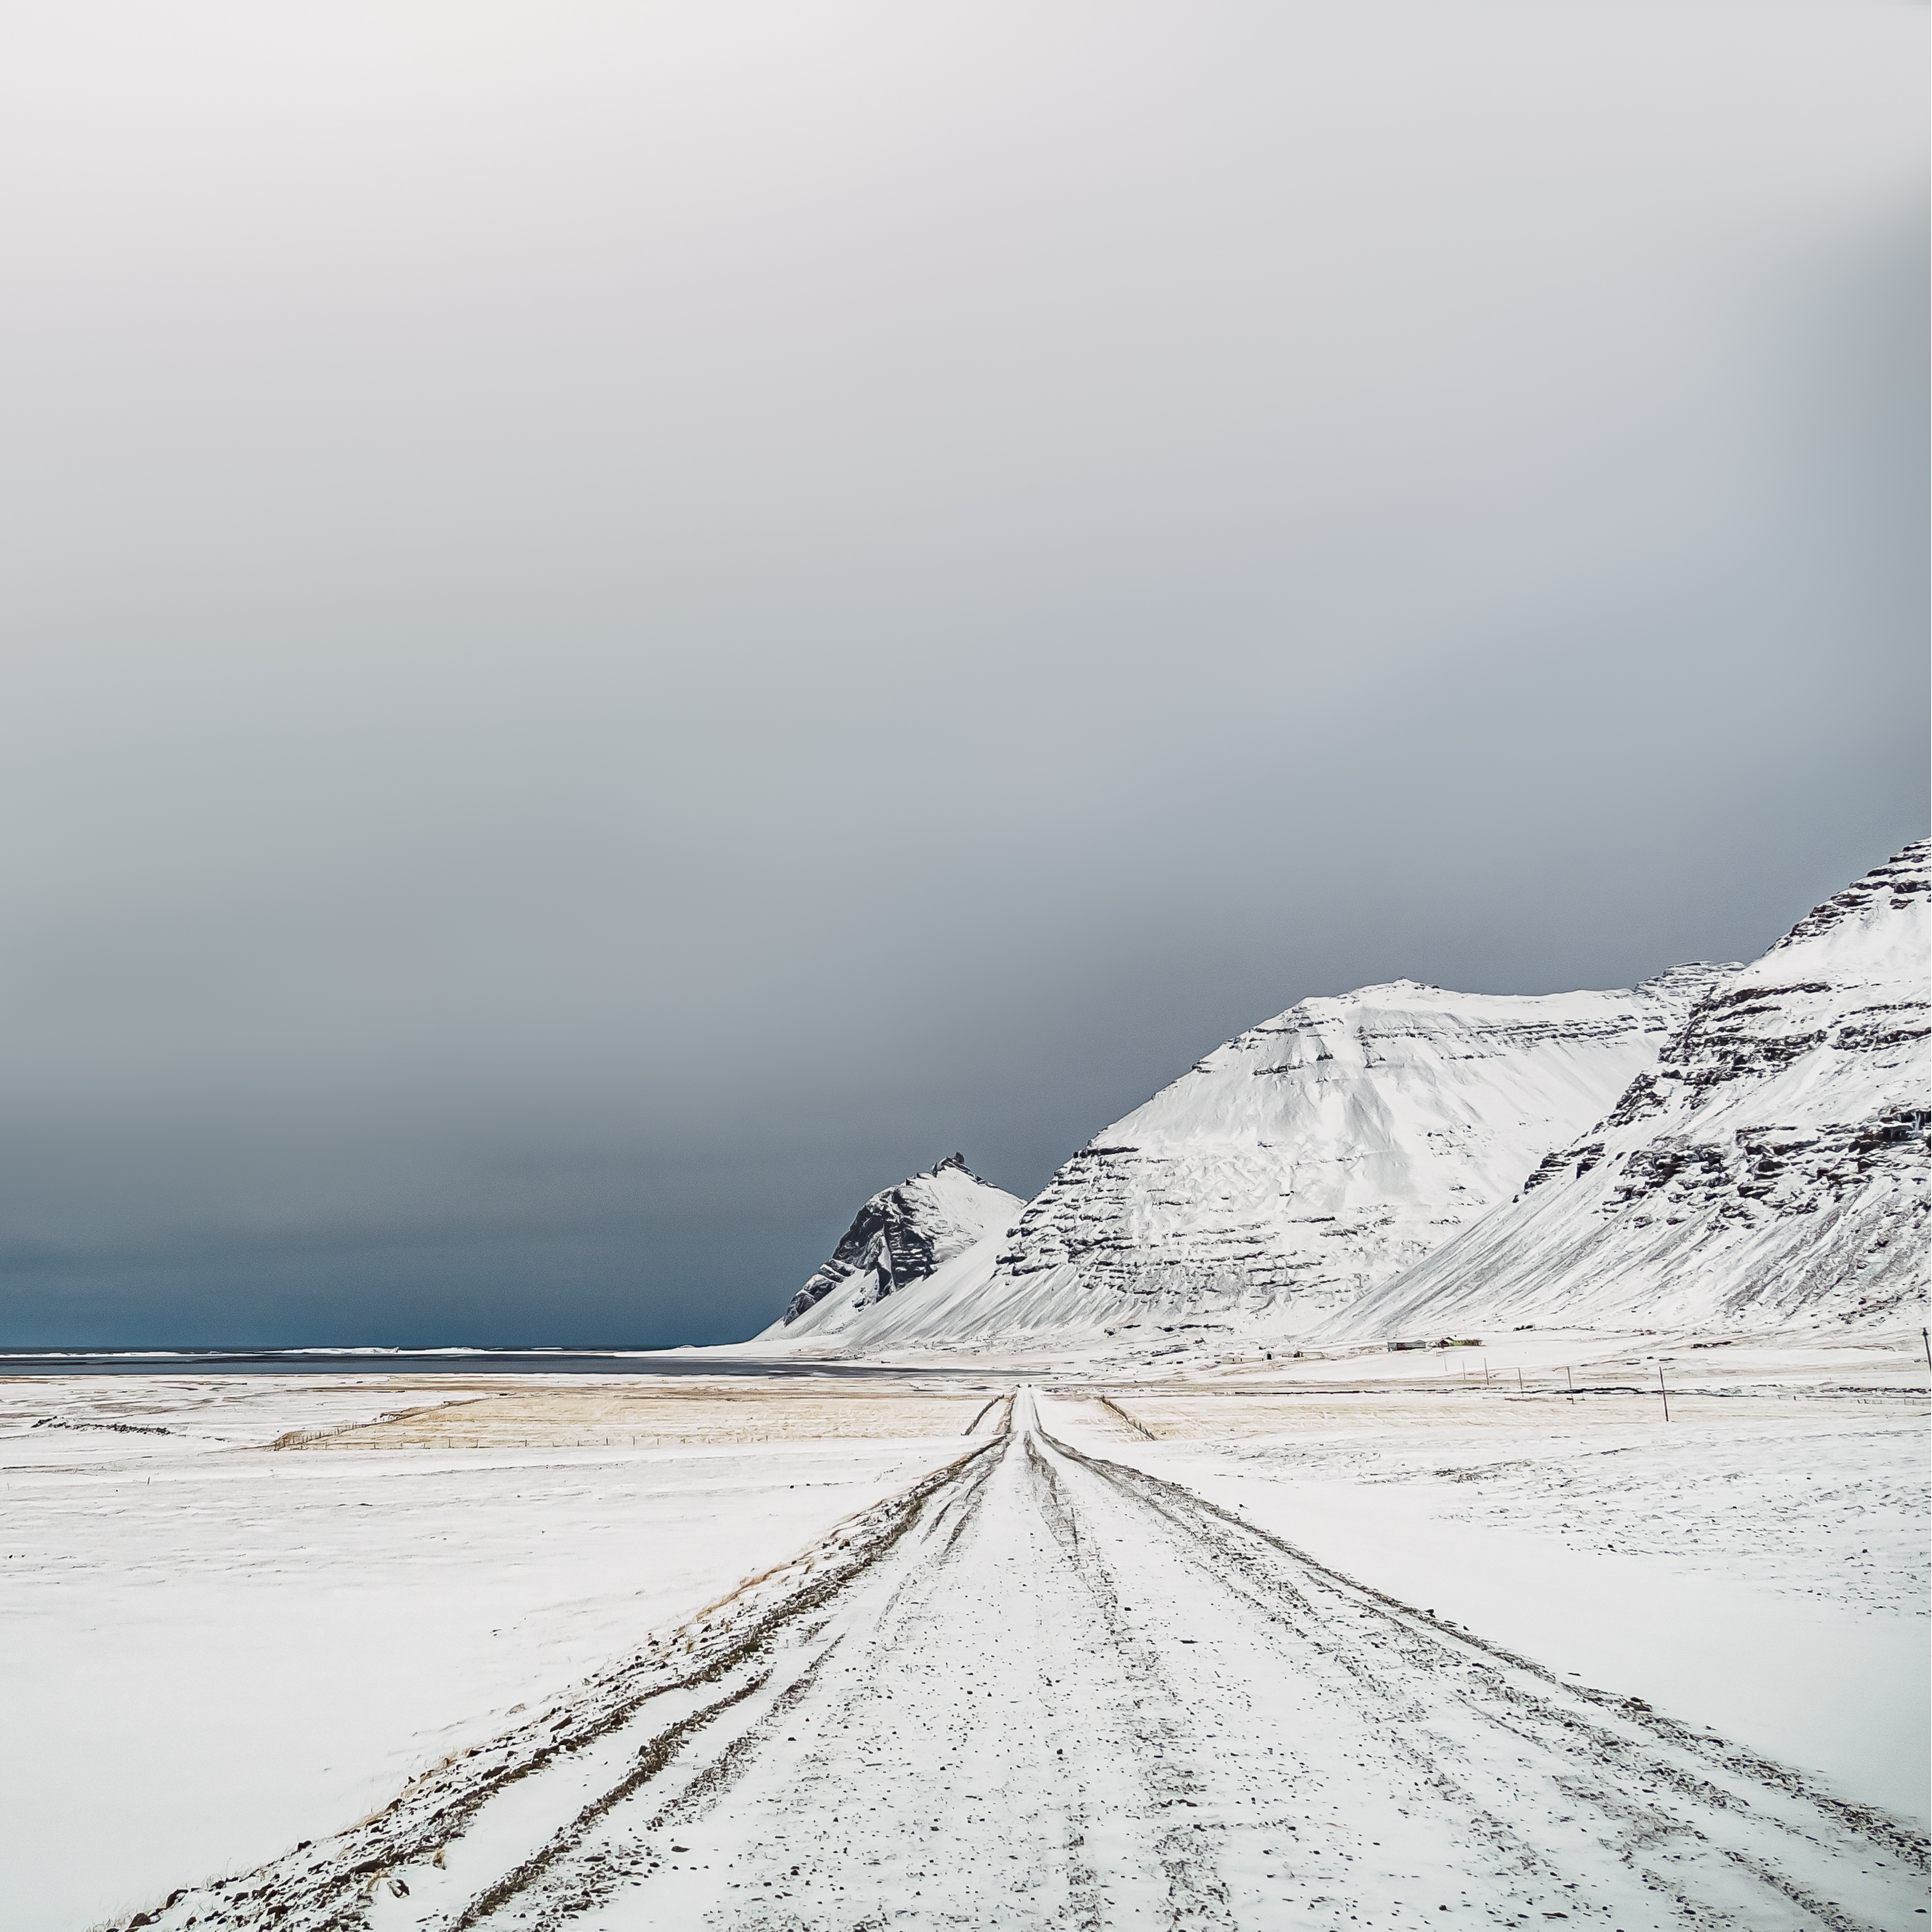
(567, 1757)
(825, 1809)
(1044, 1690)
(1194, 1887)
(1658, 1787)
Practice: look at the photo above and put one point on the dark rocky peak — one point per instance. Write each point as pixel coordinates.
(1905, 876)
(904, 1232)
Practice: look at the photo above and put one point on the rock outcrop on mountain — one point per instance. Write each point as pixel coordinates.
(1771, 1167)
(900, 1236)
(1303, 1164)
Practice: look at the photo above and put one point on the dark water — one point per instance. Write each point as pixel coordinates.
(403, 1361)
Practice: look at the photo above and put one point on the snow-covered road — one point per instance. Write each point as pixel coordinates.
(1044, 1689)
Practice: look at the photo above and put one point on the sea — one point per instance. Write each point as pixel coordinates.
(416, 1362)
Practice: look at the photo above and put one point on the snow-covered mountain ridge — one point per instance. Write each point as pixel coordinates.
(1305, 1162)
(1721, 1144)
(1772, 1166)
(899, 1237)
(1321, 1152)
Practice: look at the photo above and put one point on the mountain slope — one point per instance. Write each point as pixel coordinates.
(899, 1237)
(1302, 1163)
(1772, 1167)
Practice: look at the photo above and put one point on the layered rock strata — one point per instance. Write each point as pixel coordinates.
(1772, 1166)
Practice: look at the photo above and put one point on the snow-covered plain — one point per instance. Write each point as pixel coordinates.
(1248, 1650)
(1761, 1572)
(213, 1650)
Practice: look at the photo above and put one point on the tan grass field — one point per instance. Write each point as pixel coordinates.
(646, 1416)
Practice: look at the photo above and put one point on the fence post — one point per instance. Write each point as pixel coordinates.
(1664, 1392)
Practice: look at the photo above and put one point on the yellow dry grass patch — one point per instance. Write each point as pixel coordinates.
(596, 1418)
(1105, 1417)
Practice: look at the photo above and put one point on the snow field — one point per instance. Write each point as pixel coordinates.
(214, 1650)
(1044, 1690)
(1068, 1692)
(1760, 1568)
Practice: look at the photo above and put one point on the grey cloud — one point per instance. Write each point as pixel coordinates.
(624, 625)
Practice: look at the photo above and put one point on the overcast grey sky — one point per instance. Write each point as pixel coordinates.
(623, 623)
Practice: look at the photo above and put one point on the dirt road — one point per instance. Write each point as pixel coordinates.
(1043, 1691)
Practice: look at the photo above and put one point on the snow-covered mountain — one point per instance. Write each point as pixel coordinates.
(1771, 1167)
(899, 1237)
(1297, 1167)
